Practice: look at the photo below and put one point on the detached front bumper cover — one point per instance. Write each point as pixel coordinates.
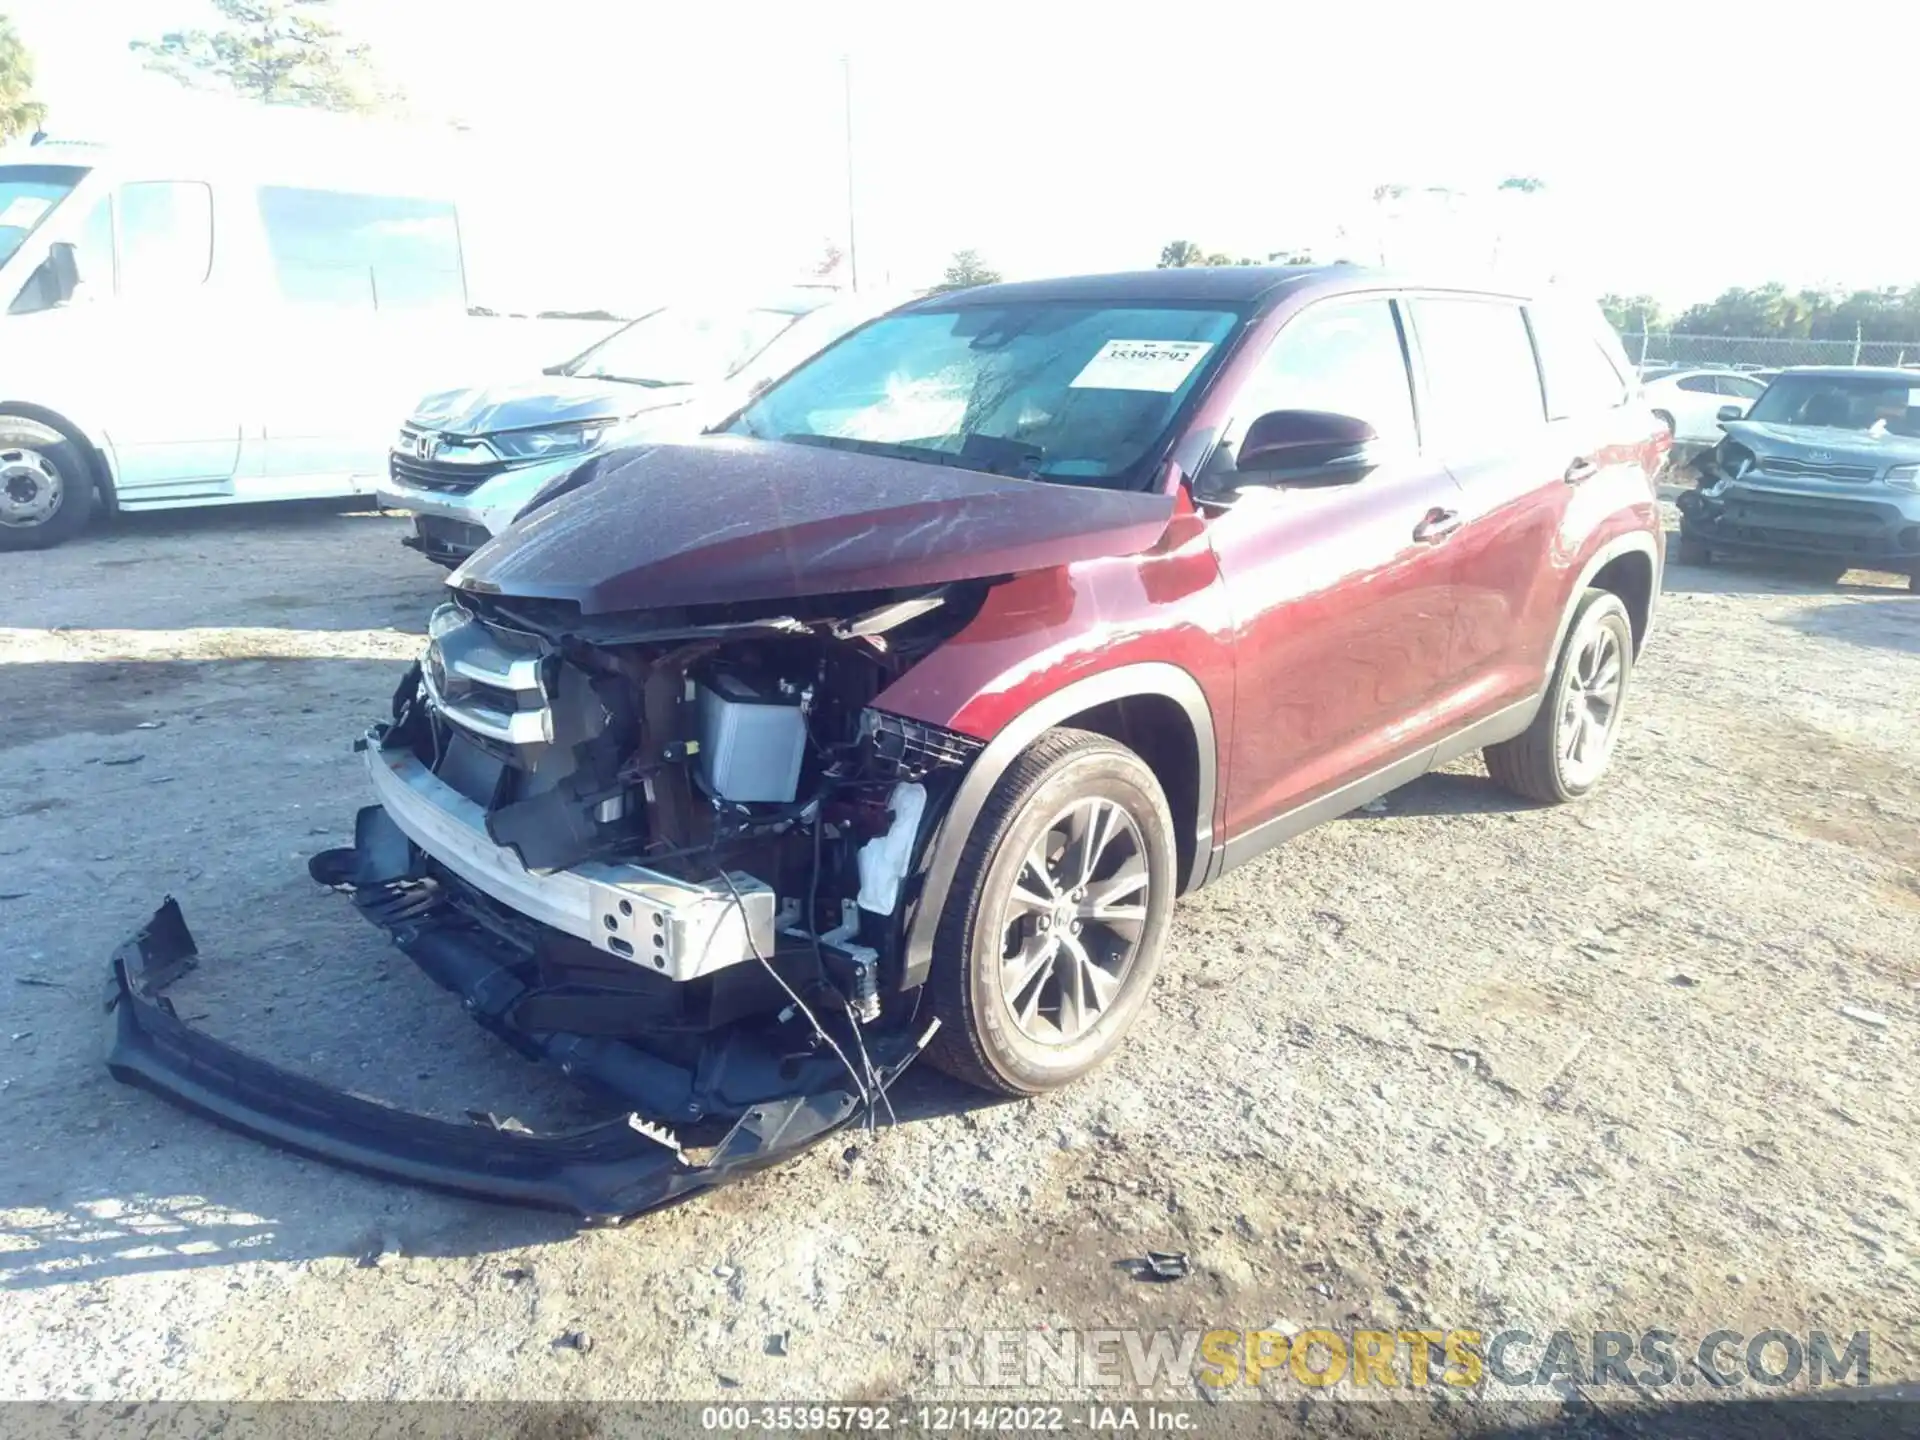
(605, 1172)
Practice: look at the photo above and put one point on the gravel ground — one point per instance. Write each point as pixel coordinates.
(1643, 1062)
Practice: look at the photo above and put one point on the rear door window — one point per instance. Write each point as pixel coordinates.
(363, 252)
(1483, 384)
(166, 237)
(1580, 376)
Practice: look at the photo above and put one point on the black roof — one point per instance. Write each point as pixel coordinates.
(1233, 284)
(1255, 285)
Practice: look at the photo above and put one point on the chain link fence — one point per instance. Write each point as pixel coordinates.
(1762, 352)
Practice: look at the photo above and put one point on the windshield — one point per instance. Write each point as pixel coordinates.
(683, 345)
(1056, 391)
(28, 194)
(1842, 402)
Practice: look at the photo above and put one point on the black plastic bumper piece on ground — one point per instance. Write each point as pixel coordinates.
(606, 1172)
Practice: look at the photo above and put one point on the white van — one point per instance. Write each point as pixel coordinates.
(227, 322)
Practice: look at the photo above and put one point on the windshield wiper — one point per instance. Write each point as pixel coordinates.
(983, 453)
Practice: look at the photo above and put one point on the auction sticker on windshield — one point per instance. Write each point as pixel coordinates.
(1161, 365)
(24, 213)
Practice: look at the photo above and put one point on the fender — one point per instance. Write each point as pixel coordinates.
(1120, 683)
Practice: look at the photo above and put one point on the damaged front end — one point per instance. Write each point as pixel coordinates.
(674, 855)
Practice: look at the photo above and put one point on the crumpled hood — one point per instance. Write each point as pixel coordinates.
(1824, 444)
(722, 519)
(543, 400)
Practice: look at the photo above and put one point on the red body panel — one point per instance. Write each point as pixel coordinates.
(1328, 642)
(1046, 629)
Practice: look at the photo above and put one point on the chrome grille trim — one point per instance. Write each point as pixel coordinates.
(484, 683)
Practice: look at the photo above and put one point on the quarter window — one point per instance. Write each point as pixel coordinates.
(1344, 357)
(166, 237)
(1483, 385)
(366, 252)
(1580, 376)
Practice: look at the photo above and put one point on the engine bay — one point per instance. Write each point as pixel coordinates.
(743, 823)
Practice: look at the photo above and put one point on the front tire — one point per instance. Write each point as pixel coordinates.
(1054, 928)
(1566, 750)
(1692, 550)
(46, 484)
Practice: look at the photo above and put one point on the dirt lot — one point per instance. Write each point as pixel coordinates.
(1645, 1062)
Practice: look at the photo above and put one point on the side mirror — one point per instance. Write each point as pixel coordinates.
(63, 269)
(1306, 447)
(1730, 412)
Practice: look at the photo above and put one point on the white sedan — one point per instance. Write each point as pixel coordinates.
(1687, 402)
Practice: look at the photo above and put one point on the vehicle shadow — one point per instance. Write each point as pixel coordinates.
(1892, 623)
(224, 520)
(322, 565)
(1746, 575)
(231, 1205)
(1443, 792)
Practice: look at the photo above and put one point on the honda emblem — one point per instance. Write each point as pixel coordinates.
(426, 446)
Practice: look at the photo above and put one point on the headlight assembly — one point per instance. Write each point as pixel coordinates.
(1904, 477)
(550, 442)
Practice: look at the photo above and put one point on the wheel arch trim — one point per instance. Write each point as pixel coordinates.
(956, 824)
(1638, 542)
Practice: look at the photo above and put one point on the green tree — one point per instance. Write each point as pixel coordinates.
(1630, 314)
(1178, 254)
(1524, 184)
(967, 268)
(20, 114)
(280, 51)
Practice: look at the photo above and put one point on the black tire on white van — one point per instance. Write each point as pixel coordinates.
(46, 484)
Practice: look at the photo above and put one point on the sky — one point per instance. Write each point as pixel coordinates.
(645, 141)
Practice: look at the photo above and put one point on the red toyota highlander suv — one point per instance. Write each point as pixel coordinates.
(901, 709)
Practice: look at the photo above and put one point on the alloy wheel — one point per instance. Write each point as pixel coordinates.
(1590, 707)
(1072, 926)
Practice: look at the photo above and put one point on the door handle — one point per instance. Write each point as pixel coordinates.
(1580, 470)
(1436, 526)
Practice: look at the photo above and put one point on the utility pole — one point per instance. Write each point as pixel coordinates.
(853, 250)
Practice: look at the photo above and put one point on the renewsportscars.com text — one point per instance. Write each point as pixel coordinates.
(1400, 1359)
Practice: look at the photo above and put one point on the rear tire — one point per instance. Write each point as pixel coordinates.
(46, 484)
(1566, 750)
(1046, 953)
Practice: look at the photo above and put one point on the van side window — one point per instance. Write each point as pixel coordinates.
(1483, 387)
(1580, 377)
(1344, 357)
(367, 252)
(166, 236)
